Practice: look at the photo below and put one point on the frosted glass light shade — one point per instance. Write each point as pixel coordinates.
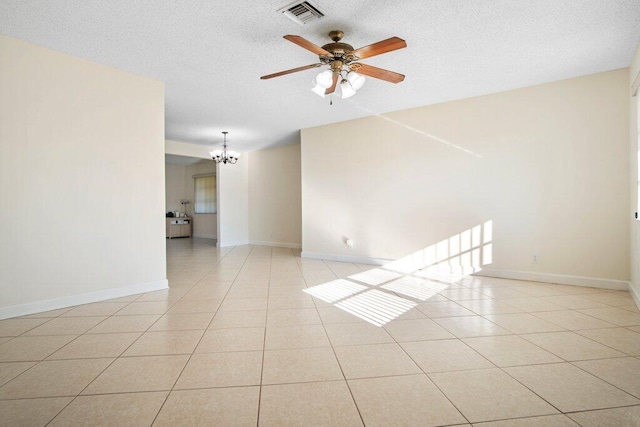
(347, 90)
(325, 79)
(356, 80)
(318, 90)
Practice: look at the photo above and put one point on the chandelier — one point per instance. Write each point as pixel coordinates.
(225, 156)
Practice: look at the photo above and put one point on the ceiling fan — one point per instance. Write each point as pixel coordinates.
(342, 59)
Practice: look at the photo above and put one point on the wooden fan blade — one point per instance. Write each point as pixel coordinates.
(293, 70)
(304, 43)
(384, 46)
(377, 73)
(333, 86)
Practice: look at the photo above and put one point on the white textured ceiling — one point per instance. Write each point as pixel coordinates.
(210, 54)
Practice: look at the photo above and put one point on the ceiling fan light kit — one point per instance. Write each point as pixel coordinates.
(343, 66)
(225, 155)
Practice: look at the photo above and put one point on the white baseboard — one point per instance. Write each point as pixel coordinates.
(561, 279)
(72, 300)
(205, 236)
(344, 258)
(635, 294)
(232, 243)
(276, 244)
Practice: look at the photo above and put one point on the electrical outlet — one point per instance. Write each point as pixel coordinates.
(534, 259)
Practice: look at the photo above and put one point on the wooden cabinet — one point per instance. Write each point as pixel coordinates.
(178, 227)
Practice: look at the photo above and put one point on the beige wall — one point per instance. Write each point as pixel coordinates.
(233, 202)
(275, 197)
(204, 225)
(175, 178)
(82, 174)
(634, 126)
(547, 164)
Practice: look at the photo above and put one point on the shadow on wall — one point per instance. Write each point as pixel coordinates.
(382, 294)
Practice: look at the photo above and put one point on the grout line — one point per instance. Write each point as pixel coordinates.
(197, 344)
(335, 355)
(264, 340)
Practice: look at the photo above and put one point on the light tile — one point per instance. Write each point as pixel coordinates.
(66, 326)
(138, 308)
(623, 373)
(571, 346)
(612, 298)
(538, 289)
(303, 336)
(416, 330)
(615, 315)
(502, 293)
(333, 315)
(569, 388)
(135, 374)
(15, 327)
(489, 394)
(510, 350)
(462, 294)
(203, 292)
(573, 320)
(31, 412)
(403, 401)
(95, 309)
(96, 346)
(292, 300)
(54, 378)
(241, 304)
(236, 406)
(618, 417)
(47, 314)
(10, 370)
(221, 370)
(621, 339)
(293, 317)
(317, 404)
(532, 304)
(236, 339)
(165, 342)
(356, 334)
(445, 355)
(444, 309)
(375, 360)
(119, 324)
(23, 349)
(129, 409)
(182, 322)
(300, 365)
(170, 295)
(546, 421)
(523, 323)
(471, 326)
(190, 307)
(573, 302)
(239, 319)
(489, 306)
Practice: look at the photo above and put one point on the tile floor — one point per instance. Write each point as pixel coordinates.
(257, 335)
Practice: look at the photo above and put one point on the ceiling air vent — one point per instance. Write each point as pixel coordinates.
(302, 12)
